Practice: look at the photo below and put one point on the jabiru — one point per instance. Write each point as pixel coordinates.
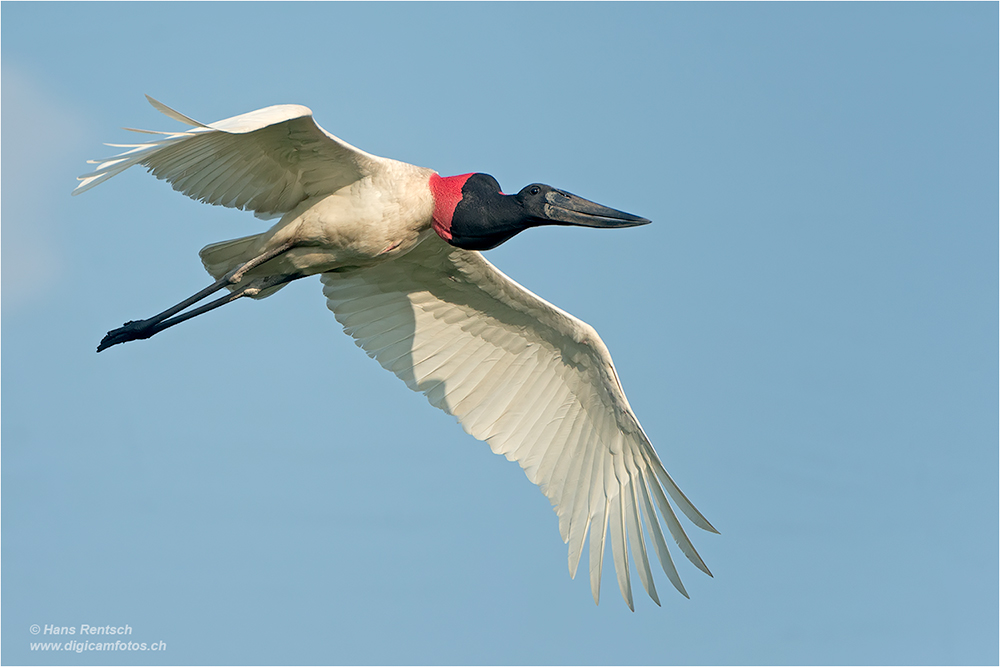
(397, 248)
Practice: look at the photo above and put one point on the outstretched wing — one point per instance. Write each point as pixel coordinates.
(265, 161)
(535, 383)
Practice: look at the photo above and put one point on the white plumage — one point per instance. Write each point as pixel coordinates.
(531, 380)
(267, 161)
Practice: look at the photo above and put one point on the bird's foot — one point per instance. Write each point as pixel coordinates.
(135, 330)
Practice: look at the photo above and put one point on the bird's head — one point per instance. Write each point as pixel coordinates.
(471, 212)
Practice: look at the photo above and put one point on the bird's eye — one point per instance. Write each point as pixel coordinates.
(535, 190)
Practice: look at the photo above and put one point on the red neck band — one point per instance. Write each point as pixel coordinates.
(447, 191)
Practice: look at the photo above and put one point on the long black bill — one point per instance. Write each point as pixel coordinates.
(566, 208)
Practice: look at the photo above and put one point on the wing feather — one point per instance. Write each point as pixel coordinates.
(266, 161)
(532, 381)
(597, 540)
(546, 433)
(634, 518)
(618, 549)
(566, 468)
(659, 543)
(568, 487)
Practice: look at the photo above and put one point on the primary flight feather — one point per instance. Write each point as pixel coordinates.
(397, 247)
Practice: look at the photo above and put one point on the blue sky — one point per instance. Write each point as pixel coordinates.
(807, 331)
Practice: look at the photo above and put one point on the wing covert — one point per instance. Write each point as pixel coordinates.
(532, 381)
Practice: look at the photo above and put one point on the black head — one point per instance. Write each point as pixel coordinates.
(484, 217)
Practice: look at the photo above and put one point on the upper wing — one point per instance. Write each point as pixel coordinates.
(534, 382)
(266, 161)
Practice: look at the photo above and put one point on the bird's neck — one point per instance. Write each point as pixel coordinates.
(475, 214)
(447, 192)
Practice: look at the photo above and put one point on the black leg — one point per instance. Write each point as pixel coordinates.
(142, 329)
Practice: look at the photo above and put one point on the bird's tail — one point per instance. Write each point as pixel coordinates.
(221, 258)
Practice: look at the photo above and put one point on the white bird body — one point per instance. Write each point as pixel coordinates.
(375, 219)
(534, 382)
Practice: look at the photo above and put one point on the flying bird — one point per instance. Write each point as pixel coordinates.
(398, 248)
